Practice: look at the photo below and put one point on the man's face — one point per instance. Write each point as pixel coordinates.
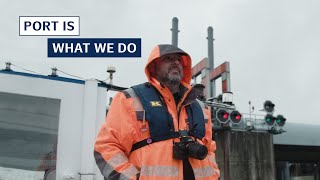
(169, 69)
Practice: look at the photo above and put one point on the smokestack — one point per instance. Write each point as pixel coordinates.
(175, 31)
(210, 87)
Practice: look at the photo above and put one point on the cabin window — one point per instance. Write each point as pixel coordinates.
(28, 136)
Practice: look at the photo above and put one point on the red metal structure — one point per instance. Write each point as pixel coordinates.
(222, 71)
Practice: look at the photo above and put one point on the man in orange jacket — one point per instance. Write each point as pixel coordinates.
(158, 130)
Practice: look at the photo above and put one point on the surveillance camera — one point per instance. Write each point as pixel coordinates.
(111, 69)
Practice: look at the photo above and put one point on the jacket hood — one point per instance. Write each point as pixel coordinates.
(165, 49)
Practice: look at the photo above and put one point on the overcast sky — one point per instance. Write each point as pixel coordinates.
(272, 46)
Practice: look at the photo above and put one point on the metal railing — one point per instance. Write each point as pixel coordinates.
(249, 122)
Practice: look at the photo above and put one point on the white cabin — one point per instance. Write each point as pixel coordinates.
(48, 126)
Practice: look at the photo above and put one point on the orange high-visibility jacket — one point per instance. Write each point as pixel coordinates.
(155, 161)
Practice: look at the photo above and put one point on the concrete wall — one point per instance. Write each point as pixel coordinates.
(243, 155)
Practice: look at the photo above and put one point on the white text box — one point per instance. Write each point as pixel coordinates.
(49, 25)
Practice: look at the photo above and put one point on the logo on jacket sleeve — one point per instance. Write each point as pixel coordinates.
(155, 103)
